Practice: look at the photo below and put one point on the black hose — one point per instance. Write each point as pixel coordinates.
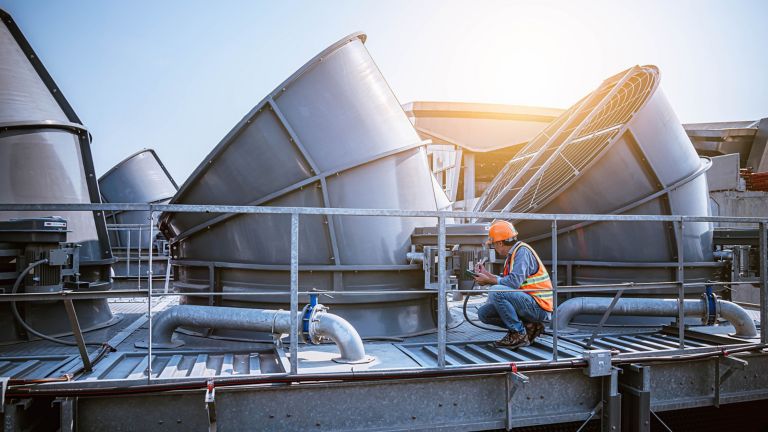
(466, 317)
(23, 323)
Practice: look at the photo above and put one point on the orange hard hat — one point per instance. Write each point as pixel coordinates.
(501, 230)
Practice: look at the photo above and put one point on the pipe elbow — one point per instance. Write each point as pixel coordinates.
(742, 322)
(344, 335)
(567, 310)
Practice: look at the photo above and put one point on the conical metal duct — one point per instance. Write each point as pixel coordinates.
(332, 135)
(139, 178)
(45, 157)
(620, 150)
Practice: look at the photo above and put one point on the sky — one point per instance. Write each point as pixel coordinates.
(177, 75)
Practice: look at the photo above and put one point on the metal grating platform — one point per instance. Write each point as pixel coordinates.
(39, 367)
(186, 364)
(464, 353)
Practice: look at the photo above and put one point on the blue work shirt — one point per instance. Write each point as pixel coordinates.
(525, 265)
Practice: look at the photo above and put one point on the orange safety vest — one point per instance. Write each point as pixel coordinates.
(537, 281)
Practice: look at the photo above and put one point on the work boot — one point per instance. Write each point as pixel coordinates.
(533, 330)
(513, 340)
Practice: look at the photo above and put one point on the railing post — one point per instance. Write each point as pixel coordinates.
(149, 307)
(151, 234)
(554, 290)
(441, 293)
(127, 254)
(763, 282)
(681, 284)
(138, 255)
(294, 335)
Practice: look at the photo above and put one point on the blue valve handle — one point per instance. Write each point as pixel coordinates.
(307, 316)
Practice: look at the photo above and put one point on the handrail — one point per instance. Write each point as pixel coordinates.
(441, 215)
(190, 208)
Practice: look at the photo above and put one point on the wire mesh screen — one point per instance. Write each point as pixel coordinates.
(566, 147)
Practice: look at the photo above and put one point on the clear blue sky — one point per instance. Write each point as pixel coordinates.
(177, 75)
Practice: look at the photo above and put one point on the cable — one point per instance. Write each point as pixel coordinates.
(23, 323)
(466, 316)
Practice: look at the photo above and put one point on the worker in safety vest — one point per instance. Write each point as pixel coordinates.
(520, 312)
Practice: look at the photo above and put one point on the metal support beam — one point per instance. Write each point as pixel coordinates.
(611, 415)
(294, 335)
(514, 381)
(78, 334)
(604, 318)
(210, 405)
(469, 178)
(679, 227)
(553, 278)
(442, 286)
(730, 365)
(763, 282)
(635, 388)
(66, 414)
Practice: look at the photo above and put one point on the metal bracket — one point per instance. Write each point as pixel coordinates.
(611, 415)
(4, 385)
(66, 413)
(514, 382)
(635, 385)
(731, 365)
(210, 405)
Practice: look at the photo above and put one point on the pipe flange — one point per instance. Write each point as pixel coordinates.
(364, 360)
(711, 308)
(313, 335)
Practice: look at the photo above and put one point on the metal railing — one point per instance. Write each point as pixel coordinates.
(132, 251)
(441, 216)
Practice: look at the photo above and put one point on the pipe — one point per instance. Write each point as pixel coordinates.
(744, 325)
(322, 324)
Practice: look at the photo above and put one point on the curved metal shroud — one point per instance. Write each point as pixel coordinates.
(139, 178)
(45, 157)
(332, 135)
(620, 150)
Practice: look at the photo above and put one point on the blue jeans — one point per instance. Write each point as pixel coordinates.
(510, 309)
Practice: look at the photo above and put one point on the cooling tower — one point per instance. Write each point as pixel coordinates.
(332, 135)
(45, 157)
(620, 150)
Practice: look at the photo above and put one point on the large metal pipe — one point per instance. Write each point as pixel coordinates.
(322, 324)
(737, 316)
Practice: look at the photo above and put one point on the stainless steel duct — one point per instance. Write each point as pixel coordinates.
(45, 157)
(745, 326)
(139, 178)
(332, 135)
(619, 150)
(322, 324)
